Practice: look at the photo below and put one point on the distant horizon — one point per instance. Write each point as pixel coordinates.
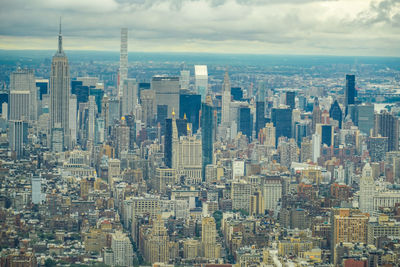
(202, 52)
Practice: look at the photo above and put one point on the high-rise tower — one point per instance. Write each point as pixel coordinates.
(59, 94)
(350, 90)
(123, 61)
(226, 100)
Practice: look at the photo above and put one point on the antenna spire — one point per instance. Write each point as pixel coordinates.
(60, 50)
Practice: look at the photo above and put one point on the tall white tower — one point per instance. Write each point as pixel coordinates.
(201, 80)
(226, 100)
(367, 190)
(123, 60)
(316, 147)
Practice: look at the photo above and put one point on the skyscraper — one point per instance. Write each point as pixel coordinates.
(260, 116)
(282, 120)
(367, 190)
(23, 95)
(123, 60)
(92, 117)
(387, 125)
(290, 99)
(184, 79)
(73, 118)
(190, 105)
(335, 112)
(182, 130)
(226, 100)
(316, 115)
(245, 122)
(60, 92)
(130, 96)
(350, 90)
(201, 80)
(207, 134)
(36, 189)
(167, 93)
(18, 136)
(365, 118)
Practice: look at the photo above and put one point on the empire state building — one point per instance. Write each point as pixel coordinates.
(59, 99)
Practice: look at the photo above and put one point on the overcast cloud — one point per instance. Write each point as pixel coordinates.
(330, 27)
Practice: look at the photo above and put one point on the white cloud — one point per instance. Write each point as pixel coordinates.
(359, 27)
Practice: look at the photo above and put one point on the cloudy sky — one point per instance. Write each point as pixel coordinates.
(324, 27)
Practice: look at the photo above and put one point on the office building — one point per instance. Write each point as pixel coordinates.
(377, 148)
(163, 178)
(316, 147)
(122, 249)
(245, 122)
(156, 243)
(268, 135)
(23, 95)
(19, 105)
(184, 79)
(287, 150)
(201, 80)
(240, 195)
(365, 118)
(92, 118)
(306, 150)
(123, 61)
(189, 108)
(60, 93)
(36, 189)
(122, 137)
(260, 116)
(316, 115)
(210, 248)
(182, 131)
(387, 125)
(18, 137)
(130, 96)
(149, 108)
(167, 93)
(237, 94)
(291, 99)
(282, 120)
(272, 192)
(350, 90)
(349, 226)
(335, 112)
(367, 190)
(43, 87)
(186, 155)
(73, 118)
(207, 134)
(226, 100)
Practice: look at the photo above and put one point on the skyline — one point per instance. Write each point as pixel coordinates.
(312, 27)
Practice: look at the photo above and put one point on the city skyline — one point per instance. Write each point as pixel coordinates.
(309, 27)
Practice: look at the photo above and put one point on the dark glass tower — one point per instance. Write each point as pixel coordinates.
(260, 116)
(237, 93)
(245, 122)
(207, 134)
(189, 105)
(335, 112)
(290, 99)
(350, 90)
(282, 120)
